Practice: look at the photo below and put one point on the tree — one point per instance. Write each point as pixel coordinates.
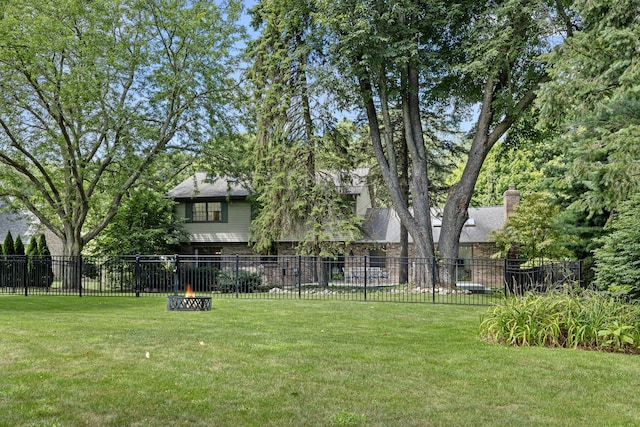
(431, 56)
(44, 269)
(144, 224)
(18, 246)
(32, 261)
(91, 93)
(527, 158)
(43, 247)
(32, 247)
(618, 260)
(593, 98)
(298, 180)
(8, 247)
(534, 231)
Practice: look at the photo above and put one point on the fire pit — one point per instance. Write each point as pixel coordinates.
(188, 302)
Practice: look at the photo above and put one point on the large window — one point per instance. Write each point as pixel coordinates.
(464, 264)
(207, 212)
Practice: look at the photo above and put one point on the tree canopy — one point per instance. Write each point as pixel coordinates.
(144, 224)
(618, 260)
(299, 154)
(595, 99)
(431, 58)
(534, 230)
(92, 92)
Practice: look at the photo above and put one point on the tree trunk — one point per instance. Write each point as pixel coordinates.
(71, 268)
(417, 221)
(456, 207)
(403, 273)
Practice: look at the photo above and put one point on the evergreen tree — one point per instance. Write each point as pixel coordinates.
(32, 247)
(299, 153)
(8, 250)
(43, 248)
(8, 247)
(594, 98)
(18, 246)
(45, 263)
(618, 260)
(32, 261)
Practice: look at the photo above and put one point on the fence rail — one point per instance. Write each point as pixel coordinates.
(359, 278)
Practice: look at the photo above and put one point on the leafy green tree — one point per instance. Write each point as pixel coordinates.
(432, 56)
(145, 224)
(533, 231)
(92, 92)
(526, 158)
(618, 260)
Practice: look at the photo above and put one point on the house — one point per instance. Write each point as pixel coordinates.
(218, 212)
(18, 223)
(218, 215)
(26, 225)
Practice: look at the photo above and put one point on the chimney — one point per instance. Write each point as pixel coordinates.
(511, 199)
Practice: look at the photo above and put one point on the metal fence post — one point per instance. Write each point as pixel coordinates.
(25, 275)
(578, 268)
(77, 273)
(504, 276)
(365, 277)
(434, 265)
(237, 276)
(299, 276)
(138, 276)
(176, 277)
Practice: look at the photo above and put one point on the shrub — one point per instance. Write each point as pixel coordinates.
(577, 319)
(247, 282)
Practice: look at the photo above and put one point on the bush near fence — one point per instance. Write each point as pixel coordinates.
(477, 281)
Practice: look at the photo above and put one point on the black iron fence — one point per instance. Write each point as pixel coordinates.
(359, 278)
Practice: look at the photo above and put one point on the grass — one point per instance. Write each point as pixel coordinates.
(69, 361)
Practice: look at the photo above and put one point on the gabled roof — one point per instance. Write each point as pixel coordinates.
(201, 186)
(21, 224)
(383, 225)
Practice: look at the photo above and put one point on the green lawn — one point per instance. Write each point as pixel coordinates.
(69, 361)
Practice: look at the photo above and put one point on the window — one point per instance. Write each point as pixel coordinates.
(464, 264)
(378, 258)
(207, 212)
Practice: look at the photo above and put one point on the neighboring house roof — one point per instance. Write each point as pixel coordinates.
(20, 224)
(201, 186)
(382, 225)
